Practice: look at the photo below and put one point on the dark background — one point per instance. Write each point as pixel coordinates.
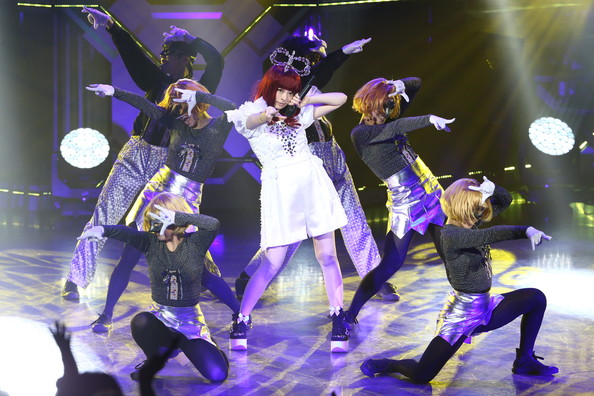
(487, 66)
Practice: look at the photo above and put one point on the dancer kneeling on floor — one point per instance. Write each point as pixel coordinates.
(177, 272)
(297, 197)
(470, 308)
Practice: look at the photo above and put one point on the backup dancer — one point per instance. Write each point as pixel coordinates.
(196, 143)
(145, 152)
(470, 307)
(356, 234)
(297, 197)
(413, 192)
(177, 274)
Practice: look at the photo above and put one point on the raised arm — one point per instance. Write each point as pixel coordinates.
(500, 200)
(144, 71)
(325, 102)
(214, 64)
(411, 86)
(193, 97)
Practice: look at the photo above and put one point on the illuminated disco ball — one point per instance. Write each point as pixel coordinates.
(551, 136)
(84, 148)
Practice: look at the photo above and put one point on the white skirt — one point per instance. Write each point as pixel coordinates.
(298, 200)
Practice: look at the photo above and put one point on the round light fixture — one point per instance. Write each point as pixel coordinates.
(84, 148)
(551, 136)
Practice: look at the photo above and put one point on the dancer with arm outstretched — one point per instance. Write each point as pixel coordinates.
(144, 154)
(413, 192)
(470, 307)
(177, 274)
(196, 143)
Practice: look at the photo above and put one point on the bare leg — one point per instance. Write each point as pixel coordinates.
(262, 277)
(325, 250)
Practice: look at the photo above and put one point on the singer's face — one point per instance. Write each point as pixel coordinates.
(282, 99)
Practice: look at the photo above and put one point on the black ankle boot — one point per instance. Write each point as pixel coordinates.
(339, 340)
(527, 364)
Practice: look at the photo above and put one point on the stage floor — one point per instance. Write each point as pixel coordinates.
(289, 350)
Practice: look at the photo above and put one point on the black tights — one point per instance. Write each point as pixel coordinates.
(152, 336)
(395, 250)
(528, 303)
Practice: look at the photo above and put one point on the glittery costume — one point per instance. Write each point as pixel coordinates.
(145, 152)
(468, 267)
(297, 197)
(356, 234)
(192, 156)
(413, 192)
(470, 309)
(176, 279)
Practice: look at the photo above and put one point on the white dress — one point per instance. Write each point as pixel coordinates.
(298, 199)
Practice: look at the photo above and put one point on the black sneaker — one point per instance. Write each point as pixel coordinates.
(135, 375)
(527, 364)
(388, 292)
(351, 323)
(240, 284)
(238, 333)
(339, 339)
(102, 324)
(70, 291)
(371, 367)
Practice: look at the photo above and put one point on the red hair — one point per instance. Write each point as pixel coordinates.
(276, 77)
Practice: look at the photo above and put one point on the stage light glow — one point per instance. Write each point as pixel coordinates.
(84, 148)
(187, 15)
(551, 136)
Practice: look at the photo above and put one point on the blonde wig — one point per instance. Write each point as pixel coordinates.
(168, 201)
(464, 205)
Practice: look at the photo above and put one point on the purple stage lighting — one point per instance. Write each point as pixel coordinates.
(187, 15)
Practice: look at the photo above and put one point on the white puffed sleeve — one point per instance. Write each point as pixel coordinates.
(306, 115)
(239, 116)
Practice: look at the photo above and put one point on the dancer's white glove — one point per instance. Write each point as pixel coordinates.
(94, 233)
(178, 34)
(487, 188)
(355, 46)
(187, 96)
(165, 216)
(536, 236)
(96, 17)
(440, 123)
(400, 89)
(101, 89)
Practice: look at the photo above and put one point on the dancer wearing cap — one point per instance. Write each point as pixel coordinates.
(144, 154)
